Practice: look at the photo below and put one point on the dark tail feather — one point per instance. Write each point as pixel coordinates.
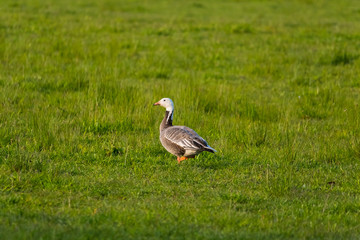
(209, 149)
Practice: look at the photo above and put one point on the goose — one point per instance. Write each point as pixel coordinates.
(180, 141)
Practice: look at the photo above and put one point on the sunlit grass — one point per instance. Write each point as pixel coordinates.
(272, 85)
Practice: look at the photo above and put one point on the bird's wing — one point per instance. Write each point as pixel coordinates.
(196, 137)
(184, 137)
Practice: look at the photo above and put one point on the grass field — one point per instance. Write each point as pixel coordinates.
(272, 85)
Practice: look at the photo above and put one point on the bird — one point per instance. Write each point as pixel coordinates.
(180, 141)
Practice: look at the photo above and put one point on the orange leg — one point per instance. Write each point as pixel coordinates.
(179, 159)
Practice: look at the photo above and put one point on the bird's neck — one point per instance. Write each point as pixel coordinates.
(167, 121)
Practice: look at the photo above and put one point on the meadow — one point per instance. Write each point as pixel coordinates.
(272, 85)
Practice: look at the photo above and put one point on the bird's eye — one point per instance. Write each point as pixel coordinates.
(164, 100)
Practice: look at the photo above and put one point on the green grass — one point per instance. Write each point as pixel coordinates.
(272, 85)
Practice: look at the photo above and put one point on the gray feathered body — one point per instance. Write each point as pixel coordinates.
(180, 140)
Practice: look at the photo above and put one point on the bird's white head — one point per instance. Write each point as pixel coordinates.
(166, 103)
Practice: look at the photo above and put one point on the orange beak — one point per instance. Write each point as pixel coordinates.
(157, 103)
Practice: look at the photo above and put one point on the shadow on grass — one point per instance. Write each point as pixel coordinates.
(213, 161)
